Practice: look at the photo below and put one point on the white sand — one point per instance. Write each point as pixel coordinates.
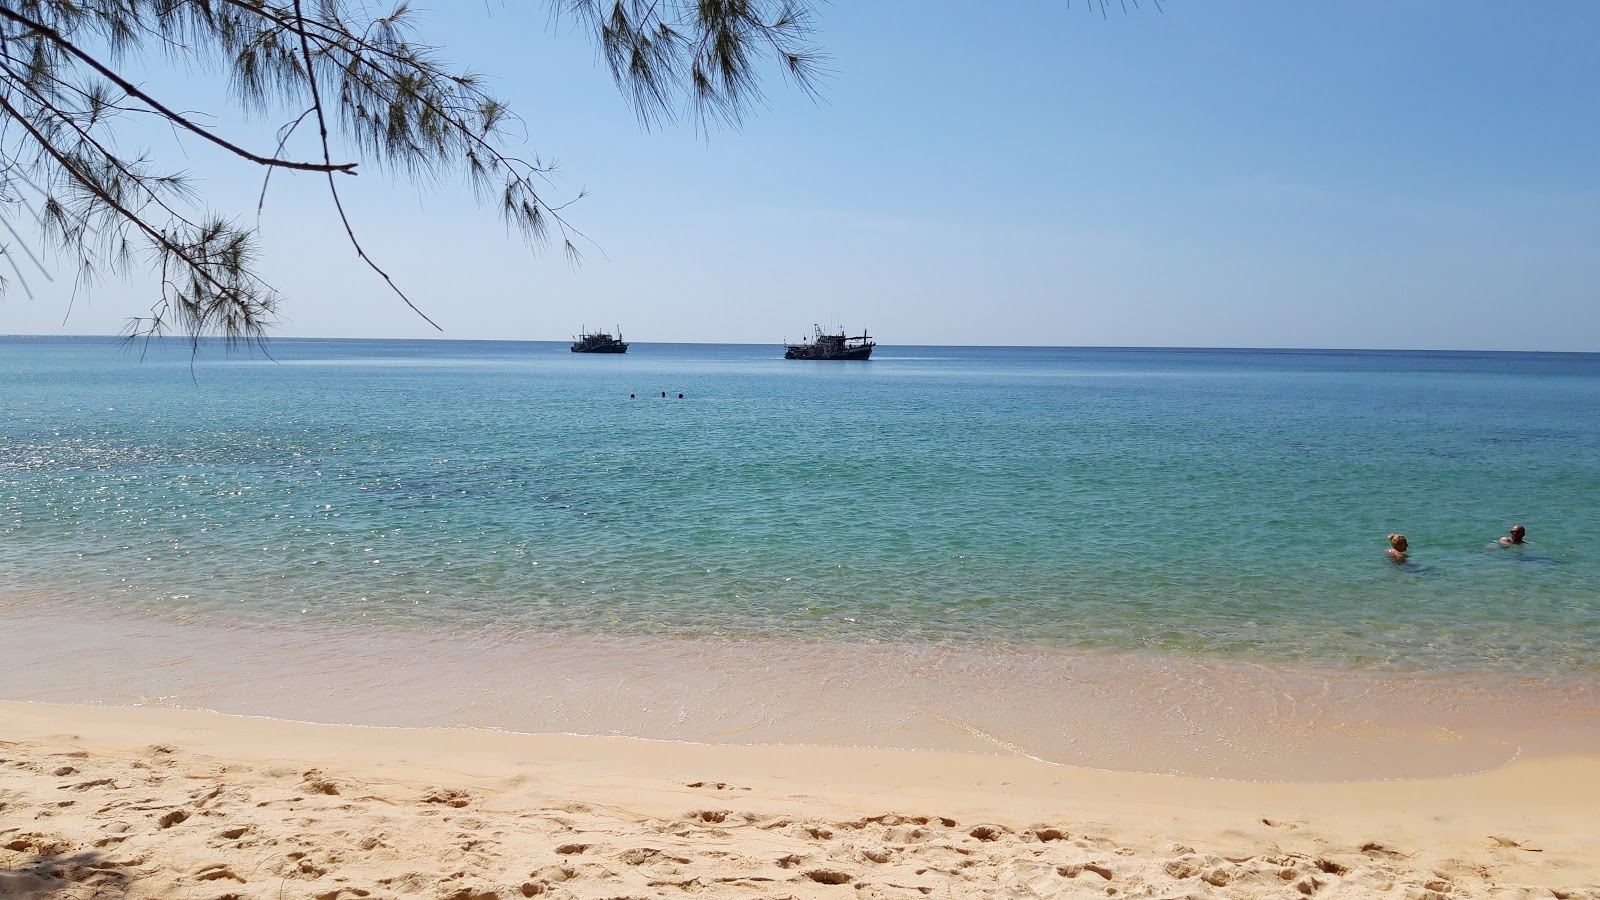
(106, 802)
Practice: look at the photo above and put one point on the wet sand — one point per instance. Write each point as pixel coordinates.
(1151, 714)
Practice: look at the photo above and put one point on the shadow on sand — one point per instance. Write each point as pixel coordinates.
(47, 875)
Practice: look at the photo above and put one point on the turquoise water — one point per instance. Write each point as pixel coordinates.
(1229, 504)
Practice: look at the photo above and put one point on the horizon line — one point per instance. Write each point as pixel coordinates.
(446, 340)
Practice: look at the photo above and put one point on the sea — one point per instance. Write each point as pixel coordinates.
(1153, 559)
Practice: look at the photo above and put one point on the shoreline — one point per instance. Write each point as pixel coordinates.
(170, 802)
(1241, 722)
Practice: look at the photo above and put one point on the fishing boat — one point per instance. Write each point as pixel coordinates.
(599, 342)
(829, 345)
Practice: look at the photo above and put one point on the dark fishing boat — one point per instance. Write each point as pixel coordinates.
(599, 342)
(824, 345)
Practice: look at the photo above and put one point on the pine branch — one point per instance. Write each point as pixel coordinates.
(171, 115)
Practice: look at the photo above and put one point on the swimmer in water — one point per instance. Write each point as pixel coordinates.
(1397, 548)
(1516, 538)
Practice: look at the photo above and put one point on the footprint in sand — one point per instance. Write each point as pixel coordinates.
(217, 871)
(455, 799)
(876, 854)
(301, 864)
(638, 856)
(231, 838)
(902, 834)
(1076, 869)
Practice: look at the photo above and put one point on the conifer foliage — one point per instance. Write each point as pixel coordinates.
(348, 86)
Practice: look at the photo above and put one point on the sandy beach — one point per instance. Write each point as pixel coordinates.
(122, 802)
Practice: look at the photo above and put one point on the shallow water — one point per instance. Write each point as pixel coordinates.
(1209, 507)
(1224, 503)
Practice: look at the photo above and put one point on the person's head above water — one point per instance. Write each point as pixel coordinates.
(1517, 536)
(1397, 548)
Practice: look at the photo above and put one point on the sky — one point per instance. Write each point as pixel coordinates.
(1422, 174)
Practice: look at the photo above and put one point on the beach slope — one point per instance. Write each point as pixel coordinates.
(110, 802)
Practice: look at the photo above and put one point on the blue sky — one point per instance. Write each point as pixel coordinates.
(1243, 174)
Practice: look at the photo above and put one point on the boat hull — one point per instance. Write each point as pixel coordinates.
(800, 352)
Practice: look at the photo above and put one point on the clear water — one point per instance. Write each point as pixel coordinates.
(1222, 504)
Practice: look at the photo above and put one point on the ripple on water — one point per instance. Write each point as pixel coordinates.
(1226, 505)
